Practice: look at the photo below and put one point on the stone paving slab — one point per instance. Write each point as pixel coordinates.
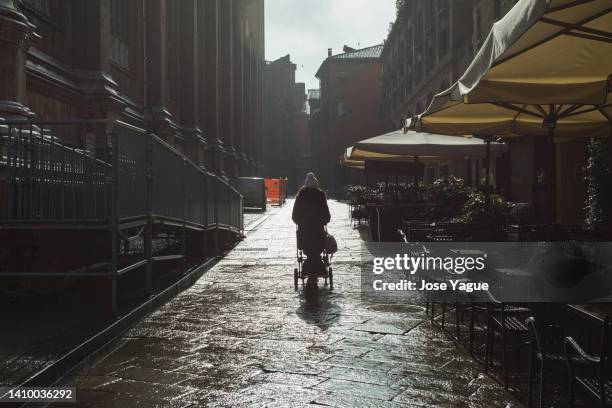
(241, 336)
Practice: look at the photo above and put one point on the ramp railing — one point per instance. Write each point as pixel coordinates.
(108, 176)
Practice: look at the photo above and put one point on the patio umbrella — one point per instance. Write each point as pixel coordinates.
(351, 164)
(397, 146)
(544, 69)
(543, 52)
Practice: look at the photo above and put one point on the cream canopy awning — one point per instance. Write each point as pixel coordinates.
(353, 164)
(512, 119)
(398, 146)
(546, 65)
(544, 52)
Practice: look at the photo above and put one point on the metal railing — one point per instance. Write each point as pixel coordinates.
(47, 181)
(108, 175)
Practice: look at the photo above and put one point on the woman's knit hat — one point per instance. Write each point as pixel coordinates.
(311, 181)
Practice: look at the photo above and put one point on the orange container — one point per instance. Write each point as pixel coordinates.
(276, 191)
(273, 191)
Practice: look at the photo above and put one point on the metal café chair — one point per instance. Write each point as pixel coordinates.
(545, 353)
(589, 372)
(505, 321)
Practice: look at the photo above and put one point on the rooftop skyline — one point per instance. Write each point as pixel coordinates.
(305, 30)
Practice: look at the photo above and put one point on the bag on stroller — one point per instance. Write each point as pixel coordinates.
(331, 246)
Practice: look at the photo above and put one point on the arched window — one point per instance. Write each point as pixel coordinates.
(444, 85)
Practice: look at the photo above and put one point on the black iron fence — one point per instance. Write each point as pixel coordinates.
(107, 175)
(44, 180)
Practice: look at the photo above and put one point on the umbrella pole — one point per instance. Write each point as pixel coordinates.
(552, 175)
(487, 171)
(468, 172)
(488, 163)
(396, 194)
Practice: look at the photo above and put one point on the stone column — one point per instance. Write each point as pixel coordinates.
(212, 129)
(188, 78)
(249, 123)
(239, 86)
(91, 48)
(201, 68)
(16, 33)
(226, 63)
(260, 63)
(161, 120)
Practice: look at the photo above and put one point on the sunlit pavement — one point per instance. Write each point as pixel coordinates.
(241, 336)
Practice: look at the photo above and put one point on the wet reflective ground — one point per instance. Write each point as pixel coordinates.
(242, 337)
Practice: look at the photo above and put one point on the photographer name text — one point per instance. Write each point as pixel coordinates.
(423, 285)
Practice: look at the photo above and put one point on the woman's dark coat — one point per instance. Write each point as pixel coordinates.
(311, 214)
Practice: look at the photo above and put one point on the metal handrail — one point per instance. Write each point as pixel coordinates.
(49, 184)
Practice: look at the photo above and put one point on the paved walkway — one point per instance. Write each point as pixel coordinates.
(241, 336)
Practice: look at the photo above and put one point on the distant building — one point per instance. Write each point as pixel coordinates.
(314, 100)
(286, 151)
(349, 110)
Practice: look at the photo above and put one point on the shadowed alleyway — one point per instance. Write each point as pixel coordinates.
(241, 336)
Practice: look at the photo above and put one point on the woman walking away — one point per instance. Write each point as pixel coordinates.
(311, 214)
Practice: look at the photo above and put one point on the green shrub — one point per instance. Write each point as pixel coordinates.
(358, 194)
(449, 194)
(476, 211)
(599, 185)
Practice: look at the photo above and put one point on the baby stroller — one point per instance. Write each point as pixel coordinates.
(302, 272)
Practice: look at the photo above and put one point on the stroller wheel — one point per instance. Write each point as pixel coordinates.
(295, 278)
(331, 279)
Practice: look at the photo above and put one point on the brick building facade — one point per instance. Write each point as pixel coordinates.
(191, 70)
(428, 48)
(349, 111)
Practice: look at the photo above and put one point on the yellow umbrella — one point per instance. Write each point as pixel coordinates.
(544, 52)
(544, 69)
(406, 146)
(506, 119)
(351, 163)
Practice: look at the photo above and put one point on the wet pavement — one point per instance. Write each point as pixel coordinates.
(241, 336)
(252, 218)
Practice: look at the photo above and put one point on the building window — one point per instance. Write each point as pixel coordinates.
(307, 148)
(119, 32)
(430, 55)
(284, 130)
(443, 24)
(418, 67)
(343, 109)
(478, 29)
